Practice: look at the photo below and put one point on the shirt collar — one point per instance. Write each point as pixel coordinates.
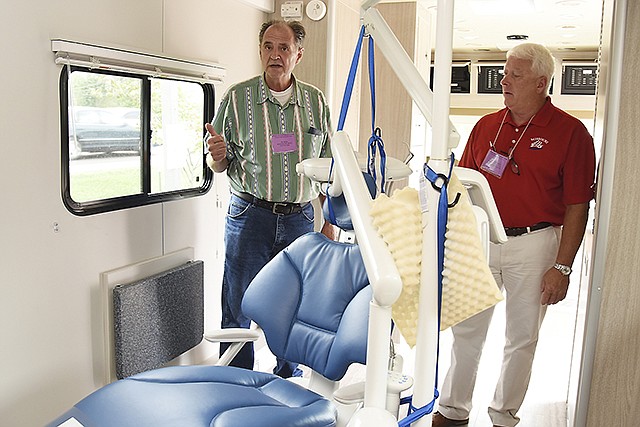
(265, 93)
(541, 118)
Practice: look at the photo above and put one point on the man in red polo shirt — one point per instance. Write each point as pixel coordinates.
(540, 164)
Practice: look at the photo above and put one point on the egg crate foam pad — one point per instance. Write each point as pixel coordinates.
(468, 287)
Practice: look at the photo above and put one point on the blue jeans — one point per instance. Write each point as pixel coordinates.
(253, 236)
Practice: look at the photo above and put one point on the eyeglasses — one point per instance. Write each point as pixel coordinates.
(512, 162)
(514, 166)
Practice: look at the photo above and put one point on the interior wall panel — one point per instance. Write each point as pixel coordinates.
(51, 260)
(615, 384)
(393, 103)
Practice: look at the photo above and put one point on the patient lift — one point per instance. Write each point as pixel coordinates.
(342, 313)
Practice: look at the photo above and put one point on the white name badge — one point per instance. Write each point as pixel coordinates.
(494, 163)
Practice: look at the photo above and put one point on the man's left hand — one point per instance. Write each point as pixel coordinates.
(554, 287)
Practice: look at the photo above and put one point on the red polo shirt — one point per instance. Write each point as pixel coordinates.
(556, 159)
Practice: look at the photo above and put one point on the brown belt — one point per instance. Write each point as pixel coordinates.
(280, 208)
(519, 231)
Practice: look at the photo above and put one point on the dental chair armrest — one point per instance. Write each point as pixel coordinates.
(237, 336)
(232, 335)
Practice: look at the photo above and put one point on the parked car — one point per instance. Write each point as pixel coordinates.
(100, 130)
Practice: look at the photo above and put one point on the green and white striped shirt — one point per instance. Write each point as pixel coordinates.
(249, 115)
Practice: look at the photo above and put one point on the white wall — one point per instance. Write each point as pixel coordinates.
(50, 311)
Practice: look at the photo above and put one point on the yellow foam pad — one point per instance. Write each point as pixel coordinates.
(397, 219)
(468, 287)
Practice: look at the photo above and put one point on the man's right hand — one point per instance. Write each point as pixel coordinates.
(216, 144)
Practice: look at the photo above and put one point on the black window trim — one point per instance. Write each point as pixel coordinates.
(134, 200)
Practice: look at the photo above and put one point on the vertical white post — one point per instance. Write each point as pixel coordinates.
(442, 79)
(427, 339)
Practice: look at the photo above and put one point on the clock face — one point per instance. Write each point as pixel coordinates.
(316, 10)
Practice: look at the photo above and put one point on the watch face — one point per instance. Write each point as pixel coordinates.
(564, 269)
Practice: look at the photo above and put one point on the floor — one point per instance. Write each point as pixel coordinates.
(545, 403)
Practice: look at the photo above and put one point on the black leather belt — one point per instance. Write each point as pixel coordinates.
(519, 231)
(280, 208)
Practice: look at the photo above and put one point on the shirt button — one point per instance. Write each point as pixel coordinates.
(513, 141)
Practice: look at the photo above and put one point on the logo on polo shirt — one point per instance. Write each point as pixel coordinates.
(538, 143)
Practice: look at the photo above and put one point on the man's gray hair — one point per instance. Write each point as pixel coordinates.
(542, 62)
(299, 32)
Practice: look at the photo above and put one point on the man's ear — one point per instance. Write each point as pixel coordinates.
(542, 84)
(299, 55)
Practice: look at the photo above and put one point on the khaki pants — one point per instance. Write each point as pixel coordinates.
(518, 266)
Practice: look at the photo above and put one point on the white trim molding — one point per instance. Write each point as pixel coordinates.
(95, 56)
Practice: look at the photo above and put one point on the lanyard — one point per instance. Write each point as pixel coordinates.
(492, 144)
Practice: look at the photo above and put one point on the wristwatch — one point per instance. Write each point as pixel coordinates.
(564, 269)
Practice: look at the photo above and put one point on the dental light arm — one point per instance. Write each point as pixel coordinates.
(407, 72)
(383, 275)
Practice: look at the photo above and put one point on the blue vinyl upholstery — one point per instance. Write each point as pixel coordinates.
(318, 292)
(312, 301)
(334, 209)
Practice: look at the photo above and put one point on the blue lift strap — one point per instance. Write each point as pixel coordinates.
(375, 145)
(439, 182)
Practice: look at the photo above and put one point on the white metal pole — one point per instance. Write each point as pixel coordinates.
(442, 79)
(427, 333)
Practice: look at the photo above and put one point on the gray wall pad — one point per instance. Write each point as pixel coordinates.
(158, 318)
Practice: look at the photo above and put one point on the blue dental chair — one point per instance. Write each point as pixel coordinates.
(311, 301)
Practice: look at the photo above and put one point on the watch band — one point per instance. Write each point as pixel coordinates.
(564, 269)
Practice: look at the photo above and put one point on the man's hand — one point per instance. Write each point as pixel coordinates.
(554, 287)
(328, 230)
(217, 149)
(216, 144)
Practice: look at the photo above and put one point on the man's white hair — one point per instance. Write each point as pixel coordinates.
(542, 62)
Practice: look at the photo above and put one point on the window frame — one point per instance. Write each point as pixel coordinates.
(145, 197)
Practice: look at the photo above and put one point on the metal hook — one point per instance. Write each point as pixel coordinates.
(455, 201)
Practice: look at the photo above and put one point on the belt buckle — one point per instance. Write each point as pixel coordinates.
(285, 209)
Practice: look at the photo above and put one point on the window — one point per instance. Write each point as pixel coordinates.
(130, 139)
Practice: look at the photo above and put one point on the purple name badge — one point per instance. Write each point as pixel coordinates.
(494, 163)
(283, 143)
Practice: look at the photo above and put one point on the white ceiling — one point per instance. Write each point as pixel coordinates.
(561, 25)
